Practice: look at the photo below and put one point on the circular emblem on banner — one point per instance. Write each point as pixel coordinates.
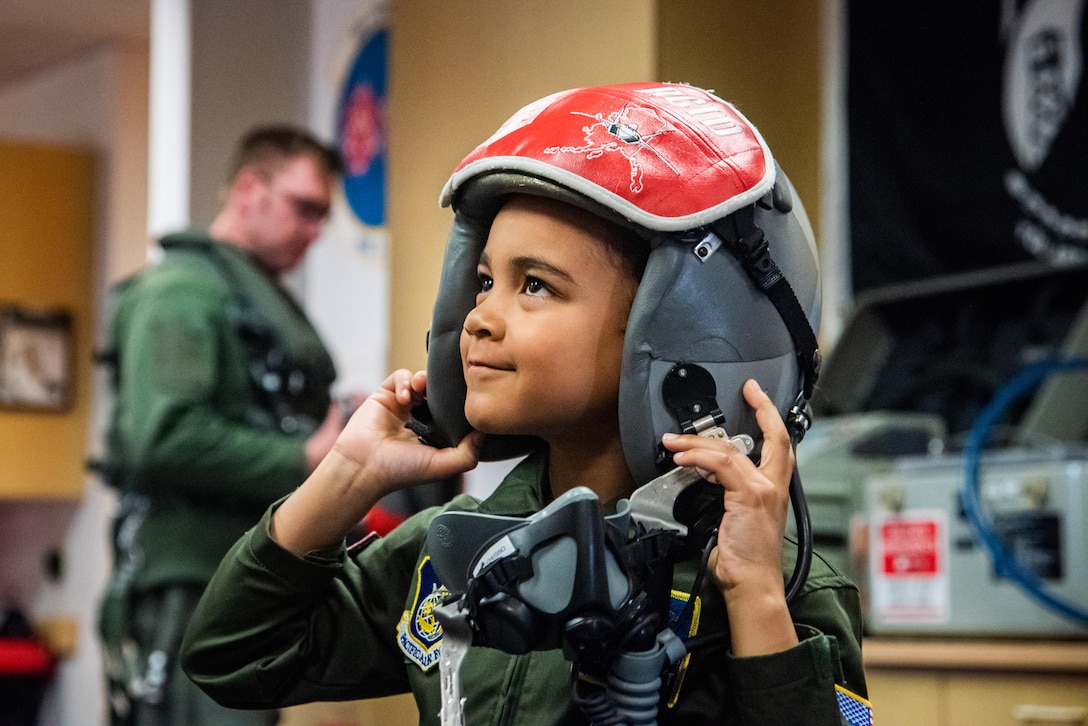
(361, 131)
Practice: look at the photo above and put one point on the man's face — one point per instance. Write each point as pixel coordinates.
(288, 212)
(541, 350)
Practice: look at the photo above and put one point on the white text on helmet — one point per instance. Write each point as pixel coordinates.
(708, 113)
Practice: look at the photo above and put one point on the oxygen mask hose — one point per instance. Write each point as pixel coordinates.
(804, 537)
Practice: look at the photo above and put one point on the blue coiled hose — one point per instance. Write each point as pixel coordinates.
(1022, 383)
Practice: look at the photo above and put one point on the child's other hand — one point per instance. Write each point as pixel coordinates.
(386, 455)
(747, 562)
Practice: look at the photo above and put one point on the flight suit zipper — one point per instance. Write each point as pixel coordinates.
(512, 691)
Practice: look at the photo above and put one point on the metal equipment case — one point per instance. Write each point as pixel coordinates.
(884, 468)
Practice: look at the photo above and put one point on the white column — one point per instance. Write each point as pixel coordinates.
(834, 234)
(169, 118)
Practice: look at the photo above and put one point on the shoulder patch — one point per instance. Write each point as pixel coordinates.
(419, 634)
(856, 710)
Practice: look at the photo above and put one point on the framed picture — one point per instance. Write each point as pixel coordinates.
(35, 359)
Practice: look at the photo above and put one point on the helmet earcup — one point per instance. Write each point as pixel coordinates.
(706, 311)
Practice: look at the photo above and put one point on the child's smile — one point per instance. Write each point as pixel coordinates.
(551, 293)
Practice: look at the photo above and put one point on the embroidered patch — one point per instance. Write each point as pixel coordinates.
(685, 624)
(856, 710)
(419, 633)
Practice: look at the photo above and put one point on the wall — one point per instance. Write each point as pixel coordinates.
(346, 275)
(98, 101)
(249, 65)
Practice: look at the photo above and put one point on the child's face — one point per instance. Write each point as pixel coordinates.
(541, 350)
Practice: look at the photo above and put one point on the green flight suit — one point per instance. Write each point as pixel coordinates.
(274, 629)
(219, 378)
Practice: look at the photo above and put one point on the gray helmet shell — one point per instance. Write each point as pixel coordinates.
(671, 162)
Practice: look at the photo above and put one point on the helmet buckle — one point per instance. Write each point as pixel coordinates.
(690, 393)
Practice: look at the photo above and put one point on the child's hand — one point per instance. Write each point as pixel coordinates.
(387, 455)
(747, 562)
(373, 456)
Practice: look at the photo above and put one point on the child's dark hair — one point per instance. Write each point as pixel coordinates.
(629, 248)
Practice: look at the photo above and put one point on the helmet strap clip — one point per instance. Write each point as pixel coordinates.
(798, 419)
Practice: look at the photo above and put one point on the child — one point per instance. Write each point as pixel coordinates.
(600, 255)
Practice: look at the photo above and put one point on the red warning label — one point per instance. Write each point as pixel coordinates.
(910, 547)
(908, 569)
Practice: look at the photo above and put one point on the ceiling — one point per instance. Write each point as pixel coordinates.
(36, 34)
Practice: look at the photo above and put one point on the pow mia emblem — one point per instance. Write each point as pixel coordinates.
(419, 633)
(627, 132)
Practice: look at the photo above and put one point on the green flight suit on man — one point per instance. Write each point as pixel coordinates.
(221, 406)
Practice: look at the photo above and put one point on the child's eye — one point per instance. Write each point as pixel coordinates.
(534, 286)
(485, 281)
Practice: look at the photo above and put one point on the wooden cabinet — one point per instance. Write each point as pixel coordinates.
(977, 683)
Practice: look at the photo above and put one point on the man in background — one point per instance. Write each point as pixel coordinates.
(221, 406)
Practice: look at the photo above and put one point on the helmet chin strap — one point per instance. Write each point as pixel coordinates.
(749, 245)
